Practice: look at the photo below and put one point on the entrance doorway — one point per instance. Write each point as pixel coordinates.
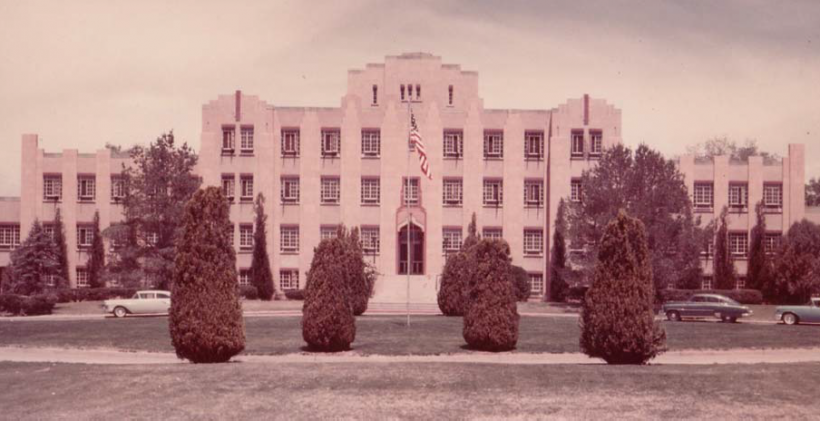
(417, 243)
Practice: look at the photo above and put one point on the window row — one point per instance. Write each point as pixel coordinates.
(245, 187)
(86, 188)
(288, 278)
(229, 139)
(707, 283)
(738, 196)
(578, 143)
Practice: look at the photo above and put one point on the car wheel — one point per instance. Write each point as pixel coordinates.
(733, 320)
(790, 319)
(120, 312)
(673, 316)
(720, 317)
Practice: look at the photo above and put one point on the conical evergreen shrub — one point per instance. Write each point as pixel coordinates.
(96, 262)
(618, 321)
(491, 321)
(327, 316)
(453, 293)
(261, 276)
(360, 278)
(205, 319)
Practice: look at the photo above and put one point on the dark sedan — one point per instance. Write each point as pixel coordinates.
(706, 305)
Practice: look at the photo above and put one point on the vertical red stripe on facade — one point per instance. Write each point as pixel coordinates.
(238, 105)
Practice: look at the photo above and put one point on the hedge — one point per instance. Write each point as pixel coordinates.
(295, 294)
(92, 294)
(248, 292)
(743, 296)
(30, 306)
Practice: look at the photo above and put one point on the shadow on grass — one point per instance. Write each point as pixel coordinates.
(468, 347)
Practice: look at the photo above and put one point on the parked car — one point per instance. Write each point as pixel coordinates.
(792, 315)
(143, 302)
(706, 305)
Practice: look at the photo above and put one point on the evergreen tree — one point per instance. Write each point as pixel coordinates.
(328, 323)
(491, 320)
(724, 266)
(618, 319)
(205, 318)
(32, 263)
(62, 252)
(96, 260)
(558, 260)
(520, 280)
(797, 267)
(456, 278)
(758, 274)
(360, 279)
(261, 276)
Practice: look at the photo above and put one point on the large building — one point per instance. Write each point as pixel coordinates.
(352, 165)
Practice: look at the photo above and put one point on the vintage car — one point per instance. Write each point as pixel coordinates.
(792, 315)
(143, 302)
(706, 305)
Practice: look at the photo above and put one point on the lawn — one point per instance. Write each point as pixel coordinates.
(407, 390)
(388, 335)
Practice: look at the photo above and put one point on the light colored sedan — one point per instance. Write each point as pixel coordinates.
(143, 302)
(792, 315)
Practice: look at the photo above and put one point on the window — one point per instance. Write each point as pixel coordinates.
(704, 195)
(450, 95)
(288, 279)
(244, 277)
(246, 185)
(330, 143)
(533, 241)
(709, 247)
(371, 191)
(375, 95)
(575, 190)
(290, 142)
(596, 142)
(228, 186)
(577, 143)
(52, 187)
(51, 280)
(328, 232)
(534, 193)
(453, 191)
(492, 233)
(82, 278)
(117, 188)
(534, 145)
(246, 139)
(410, 92)
(245, 236)
(771, 242)
(290, 190)
(739, 243)
(402, 92)
(371, 142)
(370, 240)
(706, 283)
(9, 236)
(228, 140)
(152, 238)
(493, 192)
(231, 234)
(330, 190)
(451, 240)
(49, 230)
(85, 236)
(740, 283)
(453, 143)
(418, 92)
(411, 191)
(493, 144)
(86, 188)
(773, 195)
(738, 195)
(536, 284)
(290, 239)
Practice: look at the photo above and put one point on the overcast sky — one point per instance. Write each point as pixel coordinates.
(83, 73)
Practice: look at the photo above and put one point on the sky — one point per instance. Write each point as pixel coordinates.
(83, 73)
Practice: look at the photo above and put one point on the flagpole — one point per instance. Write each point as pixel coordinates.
(409, 218)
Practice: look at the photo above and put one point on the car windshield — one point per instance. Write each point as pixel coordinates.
(136, 296)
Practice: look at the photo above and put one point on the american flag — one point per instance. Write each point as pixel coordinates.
(415, 140)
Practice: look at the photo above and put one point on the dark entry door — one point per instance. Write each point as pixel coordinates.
(417, 255)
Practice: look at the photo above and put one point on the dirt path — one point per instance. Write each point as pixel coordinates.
(694, 357)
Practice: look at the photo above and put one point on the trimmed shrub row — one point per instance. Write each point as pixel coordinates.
(91, 294)
(248, 292)
(18, 305)
(743, 296)
(295, 294)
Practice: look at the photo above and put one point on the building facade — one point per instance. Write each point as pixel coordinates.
(352, 165)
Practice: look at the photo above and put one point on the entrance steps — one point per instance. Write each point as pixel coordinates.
(392, 289)
(401, 308)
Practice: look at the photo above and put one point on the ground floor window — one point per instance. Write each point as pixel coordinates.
(288, 279)
(536, 284)
(244, 277)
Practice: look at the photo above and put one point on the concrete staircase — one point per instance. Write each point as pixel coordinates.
(392, 289)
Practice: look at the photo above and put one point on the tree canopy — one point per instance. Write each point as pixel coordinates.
(720, 146)
(32, 263)
(813, 192)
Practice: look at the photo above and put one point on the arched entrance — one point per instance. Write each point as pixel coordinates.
(416, 242)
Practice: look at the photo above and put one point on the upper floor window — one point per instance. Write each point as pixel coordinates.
(371, 143)
(330, 142)
(411, 191)
(577, 143)
(290, 142)
(289, 238)
(493, 144)
(534, 193)
(534, 145)
(290, 190)
(375, 95)
(739, 195)
(739, 243)
(453, 143)
(117, 188)
(450, 95)
(9, 236)
(246, 185)
(330, 190)
(86, 188)
(704, 195)
(575, 190)
(228, 143)
(246, 141)
(85, 236)
(773, 195)
(228, 186)
(328, 232)
(418, 92)
(596, 142)
(288, 279)
(402, 92)
(533, 241)
(370, 240)
(493, 192)
(371, 191)
(452, 191)
(771, 242)
(451, 240)
(492, 233)
(52, 187)
(246, 236)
